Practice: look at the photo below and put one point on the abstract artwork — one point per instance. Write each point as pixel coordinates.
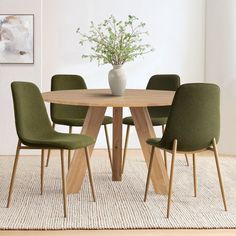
(16, 38)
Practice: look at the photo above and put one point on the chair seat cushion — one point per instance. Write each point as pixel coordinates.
(154, 142)
(159, 143)
(156, 121)
(78, 121)
(60, 141)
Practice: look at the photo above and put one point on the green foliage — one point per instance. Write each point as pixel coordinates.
(116, 42)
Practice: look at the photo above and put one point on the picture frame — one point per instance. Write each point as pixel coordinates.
(16, 38)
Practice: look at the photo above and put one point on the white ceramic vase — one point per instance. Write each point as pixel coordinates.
(117, 80)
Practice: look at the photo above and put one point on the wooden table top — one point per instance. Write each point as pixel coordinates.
(103, 98)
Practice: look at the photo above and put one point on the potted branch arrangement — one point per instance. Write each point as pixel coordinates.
(116, 42)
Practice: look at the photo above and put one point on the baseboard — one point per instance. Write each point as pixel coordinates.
(130, 150)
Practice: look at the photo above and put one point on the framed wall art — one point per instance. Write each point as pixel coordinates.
(17, 38)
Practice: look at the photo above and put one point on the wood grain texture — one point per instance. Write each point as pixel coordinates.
(97, 100)
(103, 98)
(78, 166)
(117, 144)
(145, 130)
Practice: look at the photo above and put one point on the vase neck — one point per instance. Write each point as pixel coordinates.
(117, 66)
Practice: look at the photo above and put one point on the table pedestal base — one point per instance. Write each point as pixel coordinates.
(144, 130)
(117, 144)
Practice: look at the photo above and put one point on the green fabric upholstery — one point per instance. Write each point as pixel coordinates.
(156, 121)
(66, 114)
(194, 118)
(33, 125)
(73, 121)
(162, 82)
(159, 115)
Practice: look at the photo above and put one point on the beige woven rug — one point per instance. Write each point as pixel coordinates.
(119, 204)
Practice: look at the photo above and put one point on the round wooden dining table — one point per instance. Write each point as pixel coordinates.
(98, 100)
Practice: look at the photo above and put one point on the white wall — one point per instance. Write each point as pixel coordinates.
(221, 64)
(12, 72)
(177, 32)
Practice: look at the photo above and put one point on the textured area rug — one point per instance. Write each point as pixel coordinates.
(119, 204)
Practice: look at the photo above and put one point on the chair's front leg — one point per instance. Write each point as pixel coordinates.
(90, 174)
(63, 183)
(108, 144)
(69, 151)
(194, 175)
(49, 150)
(165, 156)
(218, 171)
(13, 173)
(149, 173)
(174, 150)
(125, 148)
(186, 158)
(42, 170)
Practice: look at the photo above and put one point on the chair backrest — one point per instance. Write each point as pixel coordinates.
(67, 82)
(31, 117)
(194, 118)
(162, 82)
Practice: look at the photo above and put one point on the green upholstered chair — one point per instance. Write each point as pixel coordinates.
(159, 115)
(72, 115)
(35, 132)
(193, 126)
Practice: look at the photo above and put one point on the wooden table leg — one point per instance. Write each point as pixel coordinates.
(145, 130)
(117, 144)
(78, 167)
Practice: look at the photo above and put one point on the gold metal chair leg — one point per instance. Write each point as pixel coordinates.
(63, 183)
(13, 174)
(149, 173)
(108, 145)
(194, 175)
(218, 171)
(90, 174)
(69, 151)
(49, 150)
(42, 170)
(125, 148)
(186, 158)
(171, 177)
(165, 156)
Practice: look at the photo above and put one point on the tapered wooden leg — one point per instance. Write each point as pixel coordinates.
(78, 167)
(219, 174)
(69, 151)
(194, 175)
(42, 170)
(171, 177)
(13, 174)
(117, 144)
(186, 158)
(149, 174)
(165, 157)
(48, 157)
(125, 148)
(145, 131)
(49, 150)
(90, 174)
(63, 183)
(108, 145)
